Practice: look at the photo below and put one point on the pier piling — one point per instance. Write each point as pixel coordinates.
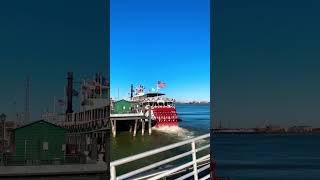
(149, 122)
(132, 122)
(114, 128)
(142, 126)
(135, 127)
(94, 148)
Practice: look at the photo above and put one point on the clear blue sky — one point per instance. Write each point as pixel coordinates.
(267, 61)
(166, 40)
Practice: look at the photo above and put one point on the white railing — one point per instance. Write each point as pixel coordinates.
(193, 165)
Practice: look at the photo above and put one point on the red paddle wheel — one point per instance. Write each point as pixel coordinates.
(165, 116)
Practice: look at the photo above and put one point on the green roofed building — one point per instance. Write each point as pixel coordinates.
(123, 106)
(40, 141)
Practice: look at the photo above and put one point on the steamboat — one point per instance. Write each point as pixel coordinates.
(155, 106)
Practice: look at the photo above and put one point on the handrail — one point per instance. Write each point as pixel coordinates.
(193, 163)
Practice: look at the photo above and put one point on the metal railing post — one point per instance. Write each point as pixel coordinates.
(149, 121)
(166, 173)
(194, 159)
(113, 173)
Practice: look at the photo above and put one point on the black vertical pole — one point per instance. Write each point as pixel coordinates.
(131, 91)
(69, 93)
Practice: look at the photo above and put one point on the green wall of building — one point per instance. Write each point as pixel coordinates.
(29, 141)
(123, 106)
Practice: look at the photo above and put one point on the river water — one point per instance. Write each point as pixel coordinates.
(195, 121)
(266, 156)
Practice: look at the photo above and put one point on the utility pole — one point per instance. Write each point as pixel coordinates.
(54, 104)
(27, 101)
(118, 94)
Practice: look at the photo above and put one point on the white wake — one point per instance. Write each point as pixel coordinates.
(176, 131)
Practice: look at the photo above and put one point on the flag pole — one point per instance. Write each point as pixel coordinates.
(54, 104)
(118, 94)
(80, 95)
(157, 87)
(100, 82)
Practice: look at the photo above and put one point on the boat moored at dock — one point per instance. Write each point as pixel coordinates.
(163, 110)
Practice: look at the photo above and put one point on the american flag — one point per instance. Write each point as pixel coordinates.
(103, 81)
(92, 83)
(139, 89)
(61, 102)
(161, 84)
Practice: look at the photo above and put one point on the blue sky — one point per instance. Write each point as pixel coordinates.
(161, 40)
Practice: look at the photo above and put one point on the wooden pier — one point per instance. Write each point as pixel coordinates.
(135, 118)
(96, 120)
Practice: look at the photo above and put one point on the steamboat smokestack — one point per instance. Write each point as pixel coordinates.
(98, 78)
(69, 93)
(131, 91)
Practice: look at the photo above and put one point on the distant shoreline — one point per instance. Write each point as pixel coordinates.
(266, 131)
(271, 133)
(193, 102)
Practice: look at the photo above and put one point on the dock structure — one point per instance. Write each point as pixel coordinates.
(96, 120)
(90, 129)
(88, 133)
(135, 118)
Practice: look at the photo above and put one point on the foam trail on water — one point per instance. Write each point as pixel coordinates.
(175, 130)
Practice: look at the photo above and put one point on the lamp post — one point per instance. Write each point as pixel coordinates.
(3, 120)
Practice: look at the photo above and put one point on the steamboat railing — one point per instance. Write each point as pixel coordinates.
(197, 165)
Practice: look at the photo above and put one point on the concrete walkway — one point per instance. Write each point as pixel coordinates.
(53, 170)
